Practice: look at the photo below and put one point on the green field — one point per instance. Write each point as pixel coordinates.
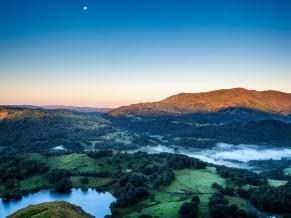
(78, 162)
(34, 182)
(197, 181)
(166, 209)
(287, 171)
(166, 201)
(276, 183)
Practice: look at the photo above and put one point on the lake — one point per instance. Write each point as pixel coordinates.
(97, 204)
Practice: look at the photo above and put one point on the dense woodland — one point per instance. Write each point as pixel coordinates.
(220, 207)
(265, 132)
(271, 199)
(240, 177)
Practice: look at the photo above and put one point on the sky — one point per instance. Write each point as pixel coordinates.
(119, 52)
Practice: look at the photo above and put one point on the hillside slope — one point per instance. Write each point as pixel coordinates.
(273, 102)
(39, 129)
(52, 209)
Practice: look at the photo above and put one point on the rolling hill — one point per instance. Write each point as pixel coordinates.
(52, 209)
(271, 102)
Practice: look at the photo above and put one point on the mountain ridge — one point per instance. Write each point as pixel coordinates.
(270, 101)
(66, 107)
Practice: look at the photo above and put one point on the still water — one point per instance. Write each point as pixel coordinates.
(97, 204)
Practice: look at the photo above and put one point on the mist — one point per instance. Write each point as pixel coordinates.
(228, 154)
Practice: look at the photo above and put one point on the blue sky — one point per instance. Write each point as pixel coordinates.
(126, 51)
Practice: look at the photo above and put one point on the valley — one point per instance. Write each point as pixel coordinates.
(154, 164)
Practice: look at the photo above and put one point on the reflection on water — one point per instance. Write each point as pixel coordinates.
(97, 204)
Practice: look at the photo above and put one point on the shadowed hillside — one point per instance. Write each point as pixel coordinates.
(39, 129)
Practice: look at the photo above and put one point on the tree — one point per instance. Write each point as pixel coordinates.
(56, 175)
(229, 190)
(64, 185)
(85, 180)
(9, 184)
(233, 210)
(144, 216)
(217, 187)
(189, 210)
(220, 210)
(196, 199)
(214, 201)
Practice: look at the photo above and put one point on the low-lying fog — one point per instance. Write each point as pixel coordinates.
(227, 154)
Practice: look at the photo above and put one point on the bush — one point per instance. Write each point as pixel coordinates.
(218, 187)
(196, 199)
(64, 185)
(145, 216)
(229, 190)
(56, 175)
(189, 210)
(85, 180)
(220, 210)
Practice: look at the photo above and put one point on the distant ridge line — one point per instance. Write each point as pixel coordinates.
(269, 101)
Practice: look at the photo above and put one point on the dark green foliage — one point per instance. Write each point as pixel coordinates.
(242, 192)
(275, 174)
(234, 130)
(218, 205)
(142, 140)
(10, 184)
(129, 195)
(245, 214)
(271, 199)
(229, 190)
(196, 199)
(134, 179)
(217, 198)
(218, 187)
(56, 175)
(233, 210)
(85, 180)
(220, 210)
(15, 166)
(145, 216)
(64, 185)
(271, 164)
(179, 161)
(241, 177)
(162, 176)
(111, 144)
(13, 194)
(189, 210)
(101, 153)
(214, 201)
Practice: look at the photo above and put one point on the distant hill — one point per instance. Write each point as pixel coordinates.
(53, 209)
(79, 109)
(42, 129)
(271, 102)
(71, 108)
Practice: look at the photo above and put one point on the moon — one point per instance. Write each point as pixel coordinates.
(85, 8)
